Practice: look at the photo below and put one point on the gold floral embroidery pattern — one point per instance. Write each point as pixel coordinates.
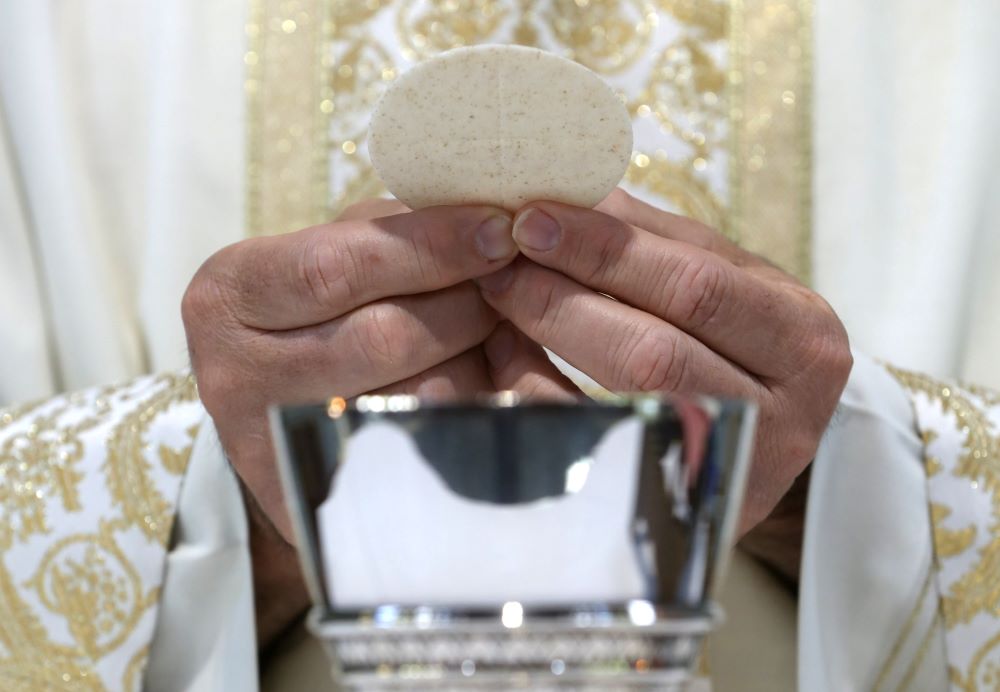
(90, 583)
(39, 462)
(718, 92)
(127, 470)
(77, 602)
(949, 542)
(961, 427)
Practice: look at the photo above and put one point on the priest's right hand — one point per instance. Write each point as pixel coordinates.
(358, 305)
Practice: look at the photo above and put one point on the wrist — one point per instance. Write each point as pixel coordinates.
(777, 540)
(280, 595)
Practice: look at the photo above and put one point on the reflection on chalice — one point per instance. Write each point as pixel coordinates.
(503, 544)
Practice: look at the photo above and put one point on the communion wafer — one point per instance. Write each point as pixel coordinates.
(499, 125)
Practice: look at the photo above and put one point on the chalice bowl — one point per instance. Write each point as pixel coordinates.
(504, 544)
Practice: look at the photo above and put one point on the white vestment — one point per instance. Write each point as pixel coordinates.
(122, 166)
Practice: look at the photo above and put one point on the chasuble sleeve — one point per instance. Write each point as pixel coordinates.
(90, 485)
(900, 583)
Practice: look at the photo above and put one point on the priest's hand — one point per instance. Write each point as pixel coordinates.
(380, 300)
(691, 313)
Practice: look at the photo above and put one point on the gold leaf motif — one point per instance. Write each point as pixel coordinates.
(173, 460)
(952, 542)
(932, 466)
(977, 591)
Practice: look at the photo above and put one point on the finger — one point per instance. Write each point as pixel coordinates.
(518, 364)
(748, 320)
(315, 275)
(619, 346)
(460, 378)
(373, 209)
(635, 212)
(373, 346)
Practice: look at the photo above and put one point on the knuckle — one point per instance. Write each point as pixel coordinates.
(700, 290)
(656, 362)
(200, 296)
(600, 253)
(331, 273)
(826, 349)
(383, 335)
(204, 298)
(546, 309)
(424, 239)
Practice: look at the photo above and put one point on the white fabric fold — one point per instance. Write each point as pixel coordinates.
(205, 636)
(864, 603)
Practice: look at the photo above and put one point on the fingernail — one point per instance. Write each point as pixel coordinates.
(497, 281)
(499, 346)
(493, 239)
(536, 230)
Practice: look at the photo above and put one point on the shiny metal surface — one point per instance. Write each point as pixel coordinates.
(475, 545)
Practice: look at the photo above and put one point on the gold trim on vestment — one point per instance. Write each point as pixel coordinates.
(770, 82)
(286, 128)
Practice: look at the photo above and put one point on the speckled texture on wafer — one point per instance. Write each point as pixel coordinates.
(500, 125)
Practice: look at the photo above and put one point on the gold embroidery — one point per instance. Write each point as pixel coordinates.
(35, 464)
(984, 671)
(428, 28)
(770, 174)
(932, 466)
(287, 142)
(988, 396)
(88, 581)
(132, 680)
(83, 579)
(709, 16)
(904, 633)
(918, 659)
(691, 196)
(608, 36)
(175, 461)
(11, 414)
(949, 542)
(127, 469)
(978, 590)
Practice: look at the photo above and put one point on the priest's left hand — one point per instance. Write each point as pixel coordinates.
(644, 300)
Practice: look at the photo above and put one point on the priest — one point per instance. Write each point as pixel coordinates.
(142, 538)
